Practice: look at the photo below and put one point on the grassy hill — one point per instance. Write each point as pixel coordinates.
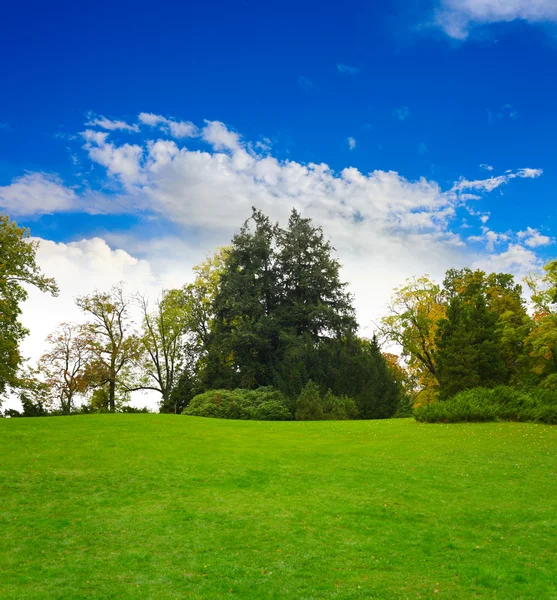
(164, 506)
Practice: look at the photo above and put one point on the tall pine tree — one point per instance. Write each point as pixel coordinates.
(469, 345)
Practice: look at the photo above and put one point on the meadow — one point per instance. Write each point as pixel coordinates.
(165, 506)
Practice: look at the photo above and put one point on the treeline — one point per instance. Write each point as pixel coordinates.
(266, 330)
(474, 332)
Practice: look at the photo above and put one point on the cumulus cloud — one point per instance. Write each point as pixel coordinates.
(122, 161)
(347, 69)
(35, 194)
(177, 129)
(515, 259)
(486, 167)
(351, 143)
(111, 125)
(220, 137)
(458, 17)
(534, 239)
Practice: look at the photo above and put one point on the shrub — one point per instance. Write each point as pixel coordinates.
(500, 403)
(336, 408)
(265, 404)
(308, 407)
(271, 410)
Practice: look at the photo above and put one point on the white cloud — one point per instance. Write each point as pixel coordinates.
(37, 193)
(220, 137)
(458, 17)
(486, 167)
(351, 143)
(177, 129)
(515, 259)
(347, 69)
(488, 185)
(109, 124)
(122, 161)
(534, 239)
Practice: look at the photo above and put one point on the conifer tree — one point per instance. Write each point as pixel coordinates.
(469, 347)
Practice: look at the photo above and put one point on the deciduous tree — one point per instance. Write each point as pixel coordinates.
(114, 347)
(64, 365)
(18, 268)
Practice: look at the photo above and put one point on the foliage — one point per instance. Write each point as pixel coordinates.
(200, 295)
(113, 347)
(339, 408)
(414, 314)
(167, 507)
(166, 349)
(500, 403)
(478, 319)
(469, 347)
(278, 287)
(182, 393)
(309, 405)
(18, 268)
(351, 367)
(541, 342)
(262, 404)
(63, 366)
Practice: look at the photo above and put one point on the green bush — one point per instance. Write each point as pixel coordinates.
(308, 407)
(271, 410)
(312, 407)
(337, 408)
(263, 404)
(500, 403)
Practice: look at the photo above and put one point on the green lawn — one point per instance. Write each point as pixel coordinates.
(164, 506)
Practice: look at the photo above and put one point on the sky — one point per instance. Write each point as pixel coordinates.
(134, 138)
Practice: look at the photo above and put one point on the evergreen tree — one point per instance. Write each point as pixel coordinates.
(309, 406)
(313, 300)
(182, 393)
(469, 347)
(244, 337)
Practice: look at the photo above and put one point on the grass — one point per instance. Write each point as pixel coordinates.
(164, 506)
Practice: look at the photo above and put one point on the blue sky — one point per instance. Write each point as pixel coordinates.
(134, 138)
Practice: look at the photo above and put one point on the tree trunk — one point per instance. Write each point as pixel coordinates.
(112, 395)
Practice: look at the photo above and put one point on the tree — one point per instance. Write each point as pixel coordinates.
(469, 348)
(503, 297)
(541, 341)
(404, 382)
(18, 267)
(308, 407)
(414, 314)
(200, 295)
(63, 366)
(312, 298)
(243, 338)
(279, 289)
(349, 366)
(113, 347)
(167, 352)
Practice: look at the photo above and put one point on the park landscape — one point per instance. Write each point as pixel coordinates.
(278, 300)
(290, 457)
